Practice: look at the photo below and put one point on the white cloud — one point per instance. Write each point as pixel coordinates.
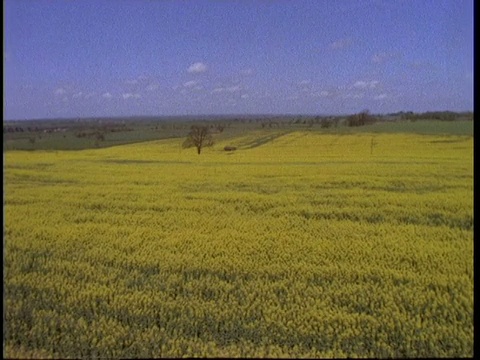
(152, 87)
(190, 84)
(360, 84)
(380, 97)
(324, 93)
(244, 96)
(60, 91)
(230, 89)
(130, 95)
(107, 95)
(366, 84)
(423, 65)
(305, 82)
(353, 96)
(77, 95)
(379, 58)
(382, 57)
(197, 68)
(234, 88)
(89, 95)
(132, 82)
(341, 43)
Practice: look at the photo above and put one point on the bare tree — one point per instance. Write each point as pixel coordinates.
(199, 137)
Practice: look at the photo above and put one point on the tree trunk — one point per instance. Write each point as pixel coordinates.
(199, 149)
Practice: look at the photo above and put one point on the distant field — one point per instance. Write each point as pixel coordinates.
(302, 243)
(71, 135)
(431, 127)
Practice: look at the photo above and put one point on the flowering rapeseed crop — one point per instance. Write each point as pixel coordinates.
(309, 245)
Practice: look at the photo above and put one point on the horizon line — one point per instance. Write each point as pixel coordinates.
(197, 116)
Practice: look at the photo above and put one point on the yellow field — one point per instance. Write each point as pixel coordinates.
(308, 245)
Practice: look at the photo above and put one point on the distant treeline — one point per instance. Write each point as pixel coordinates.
(435, 115)
(12, 129)
(219, 122)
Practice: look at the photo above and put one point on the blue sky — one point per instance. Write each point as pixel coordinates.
(93, 58)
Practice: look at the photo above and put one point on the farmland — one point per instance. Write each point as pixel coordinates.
(301, 243)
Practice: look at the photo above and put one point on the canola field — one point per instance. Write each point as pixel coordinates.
(300, 244)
